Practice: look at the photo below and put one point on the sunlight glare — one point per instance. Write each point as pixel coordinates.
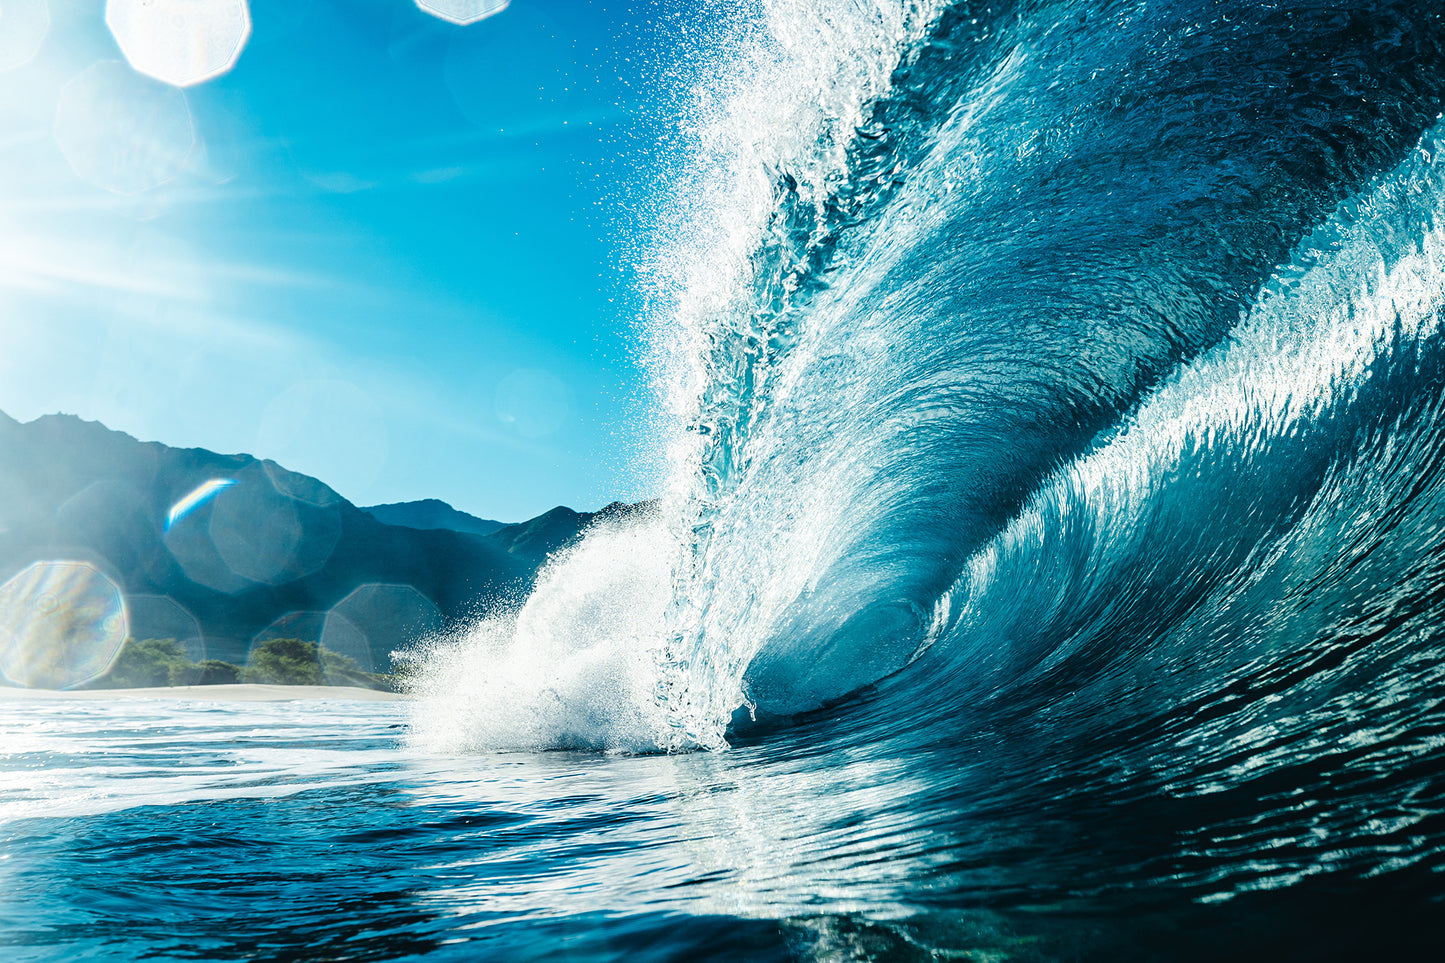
(181, 42)
(120, 131)
(462, 11)
(23, 26)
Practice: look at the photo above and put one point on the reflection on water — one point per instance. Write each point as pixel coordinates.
(312, 830)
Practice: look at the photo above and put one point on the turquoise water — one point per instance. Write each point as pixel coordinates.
(159, 829)
(313, 830)
(145, 829)
(1050, 566)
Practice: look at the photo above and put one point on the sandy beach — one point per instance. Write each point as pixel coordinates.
(213, 693)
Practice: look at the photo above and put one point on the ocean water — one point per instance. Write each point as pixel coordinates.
(1051, 564)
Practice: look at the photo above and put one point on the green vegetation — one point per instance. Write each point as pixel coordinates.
(147, 663)
(144, 663)
(342, 670)
(295, 662)
(284, 662)
(211, 672)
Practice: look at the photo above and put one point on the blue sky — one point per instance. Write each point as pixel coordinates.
(385, 250)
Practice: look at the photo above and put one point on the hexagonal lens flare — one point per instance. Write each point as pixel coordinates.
(120, 131)
(61, 623)
(181, 42)
(162, 617)
(463, 11)
(231, 534)
(23, 26)
(376, 619)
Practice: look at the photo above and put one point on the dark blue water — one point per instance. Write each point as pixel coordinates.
(1052, 567)
(155, 829)
(312, 831)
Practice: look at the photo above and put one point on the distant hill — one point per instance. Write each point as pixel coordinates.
(534, 540)
(224, 551)
(429, 513)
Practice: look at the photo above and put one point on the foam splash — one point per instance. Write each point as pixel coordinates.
(604, 653)
(573, 668)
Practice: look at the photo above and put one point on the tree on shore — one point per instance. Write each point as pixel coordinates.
(297, 662)
(210, 672)
(284, 662)
(150, 663)
(144, 663)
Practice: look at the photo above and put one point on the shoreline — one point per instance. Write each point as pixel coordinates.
(234, 692)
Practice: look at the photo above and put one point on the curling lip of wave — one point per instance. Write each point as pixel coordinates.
(1042, 220)
(951, 262)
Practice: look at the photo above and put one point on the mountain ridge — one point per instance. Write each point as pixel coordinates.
(430, 513)
(219, 548)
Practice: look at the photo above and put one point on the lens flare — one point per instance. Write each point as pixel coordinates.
(263, 527)
(462, 11)
(23, 26)
(162, 617)
(197, 496)
(120, 131)
(377, 619)
(61, 623)
(181, 42)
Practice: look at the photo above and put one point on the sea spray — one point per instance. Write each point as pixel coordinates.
(769, 162)
(607, 651)
(572, 668)
(920, 260)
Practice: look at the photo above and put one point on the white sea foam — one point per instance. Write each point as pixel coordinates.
(595, 658)
(787, 95)
(787, 107)
(573, 668)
